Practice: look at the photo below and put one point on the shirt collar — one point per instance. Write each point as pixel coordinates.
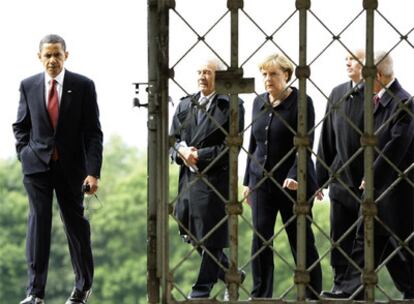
(357, 85)
(383, 90)
(210, 97)
(58, 78)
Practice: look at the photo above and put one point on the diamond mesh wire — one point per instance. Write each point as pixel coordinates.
(269, 39)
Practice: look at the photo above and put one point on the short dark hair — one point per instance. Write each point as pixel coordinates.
(52, 38)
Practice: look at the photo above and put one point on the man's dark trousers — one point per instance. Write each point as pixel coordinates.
(343, 214)
(40, 187)
(209, 271)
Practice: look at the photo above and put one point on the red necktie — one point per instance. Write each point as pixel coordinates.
(53, 110)
(53, 104)
(376, 100)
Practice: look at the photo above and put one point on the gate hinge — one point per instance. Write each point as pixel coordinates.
(136, 102)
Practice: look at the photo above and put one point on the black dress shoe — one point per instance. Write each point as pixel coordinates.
(335, 288)
(408, 296)
(78, 297)
(335, 295)
(310, 296)
(32, 300)
(242, 276)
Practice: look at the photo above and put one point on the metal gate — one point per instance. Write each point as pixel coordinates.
(164, 277)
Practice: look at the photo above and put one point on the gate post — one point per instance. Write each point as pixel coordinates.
(234, 148)
(158, 172)
(369, 277)
(302, 142)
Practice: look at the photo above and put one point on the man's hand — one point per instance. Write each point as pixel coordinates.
(189, 155)
(246, 191)
(362, 186)
(291, 184)
(92, 181)
(319, 194)
(246, 195)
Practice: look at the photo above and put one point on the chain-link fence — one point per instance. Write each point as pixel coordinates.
(363, 152)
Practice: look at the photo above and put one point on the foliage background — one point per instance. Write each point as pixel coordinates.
(118, 222)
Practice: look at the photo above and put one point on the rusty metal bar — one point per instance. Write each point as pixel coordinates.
(153, 283)
(302, 207)
(158, 172)
(368, 205)
(234, 206)
(162, 156)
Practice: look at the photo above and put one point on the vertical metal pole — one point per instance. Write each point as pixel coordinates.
(153, 283)
(163, 147)
(234, 206)
(302, 142)
(368, 140)
(158, 173)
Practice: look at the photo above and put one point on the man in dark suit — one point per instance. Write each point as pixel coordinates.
(339, 141)
(393, 192)
(199, 131)
(59, 143)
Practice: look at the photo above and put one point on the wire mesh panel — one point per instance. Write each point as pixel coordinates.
(236, 150)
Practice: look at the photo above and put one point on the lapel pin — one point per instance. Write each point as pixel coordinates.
(69, 91)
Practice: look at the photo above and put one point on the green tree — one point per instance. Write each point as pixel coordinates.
(119, 227)
(13, 212)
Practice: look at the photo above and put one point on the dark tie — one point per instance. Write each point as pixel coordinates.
(53, 110)
(53, 104)
(201, 113)
(376, 100)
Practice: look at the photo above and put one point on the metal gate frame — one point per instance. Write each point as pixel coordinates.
(158, 282)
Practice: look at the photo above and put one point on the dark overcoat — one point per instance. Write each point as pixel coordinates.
(394, 128)
(340, 139)
(202, 195)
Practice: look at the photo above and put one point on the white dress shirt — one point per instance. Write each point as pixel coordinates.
(59, 85)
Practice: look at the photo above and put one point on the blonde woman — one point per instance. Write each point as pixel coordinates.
(275, 115)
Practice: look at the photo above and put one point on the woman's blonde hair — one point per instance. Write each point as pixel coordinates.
(280, 61)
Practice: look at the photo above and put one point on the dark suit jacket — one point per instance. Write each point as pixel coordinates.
(394, 128)
(271, 141)
(198, 207)
(78, 136)
(340, 139)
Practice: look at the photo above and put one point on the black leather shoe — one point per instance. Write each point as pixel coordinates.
(78, 297)
(310, 296)
(242, 276)
(32, 300)
(408, 296)
(226, 296)
(335, 288)
(335, 295)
